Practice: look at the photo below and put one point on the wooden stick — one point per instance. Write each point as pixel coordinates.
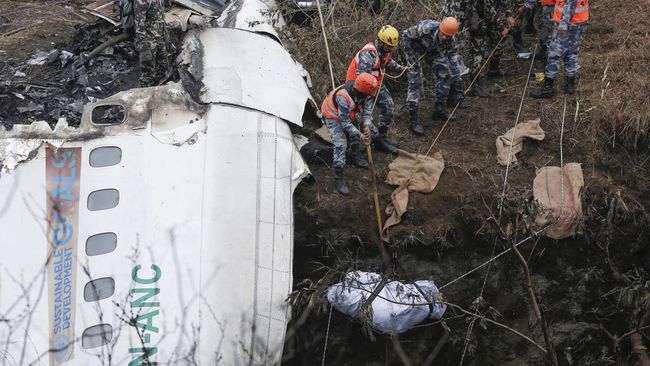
(101, 47)
(533, 300)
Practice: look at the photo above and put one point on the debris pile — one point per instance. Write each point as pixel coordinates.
(57, 83)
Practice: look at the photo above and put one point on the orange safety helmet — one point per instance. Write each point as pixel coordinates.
(366, 84)
(449, 26)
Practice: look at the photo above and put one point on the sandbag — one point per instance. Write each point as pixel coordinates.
(397, 306)
(410, 172)
(529, 129)
(562, 212)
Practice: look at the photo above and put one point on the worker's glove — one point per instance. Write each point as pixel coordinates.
(521, 11)
(441, 298)
(365, 137)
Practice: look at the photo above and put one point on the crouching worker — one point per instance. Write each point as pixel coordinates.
(375, 58)
(339, 109)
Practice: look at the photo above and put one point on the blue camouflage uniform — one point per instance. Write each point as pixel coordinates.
(565, 44)
(461, 10)
(339, 127)
(422, 40)
(367, 60)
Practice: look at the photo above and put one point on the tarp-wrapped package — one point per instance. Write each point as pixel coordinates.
(390, 306)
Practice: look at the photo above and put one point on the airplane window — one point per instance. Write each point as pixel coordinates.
(99, 289)
(97, 336)
(103, 199)
(101, 243)
(105, 156)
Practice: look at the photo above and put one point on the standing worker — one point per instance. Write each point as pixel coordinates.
(145, 20)
(339, 109)
(461, 10)
(570, 18)
(545, 24)
(375, 58)
(490, 21)
(434, 41)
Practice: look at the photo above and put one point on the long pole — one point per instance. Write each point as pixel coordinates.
(375, 194)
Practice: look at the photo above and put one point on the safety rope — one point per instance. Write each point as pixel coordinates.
(408, 66)
(327, 47)
(562, 159)
(329, 61)
(327, 334)
(451, 115)
(470, 328)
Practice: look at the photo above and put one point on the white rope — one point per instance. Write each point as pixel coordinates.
(484, 263)
(470, 328)
(512, 137)
(562, 160)
(327, 47)
(329, 61)
(327, 334)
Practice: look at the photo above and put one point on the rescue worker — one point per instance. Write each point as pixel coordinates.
(340, 109)
(435, 43)
(145, 19)
(462, 10)
(459, 9)
(485, 22)
(490, 21)
(375, 58)
(570, 18)
(517, 33)
(545, 24)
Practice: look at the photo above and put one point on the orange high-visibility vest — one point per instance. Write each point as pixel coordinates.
(580, 15)
(548, 2)
(376, 72)
(329, 108)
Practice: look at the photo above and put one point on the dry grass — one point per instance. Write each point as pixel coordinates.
(348, 28)
(616, 74)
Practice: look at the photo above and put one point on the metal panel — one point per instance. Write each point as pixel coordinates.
(244, 68)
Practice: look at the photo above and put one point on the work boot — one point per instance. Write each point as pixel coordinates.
(383, 132)
(570, 85)
(541, 54)
(494, 71)
(416, 126)
(383, 146)
(546, 91)
(536, 70)
(357, 156)
(518, 45)
(530, 25)
(476, 90)
(339, 181)
(464, 103)
(440, 114)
